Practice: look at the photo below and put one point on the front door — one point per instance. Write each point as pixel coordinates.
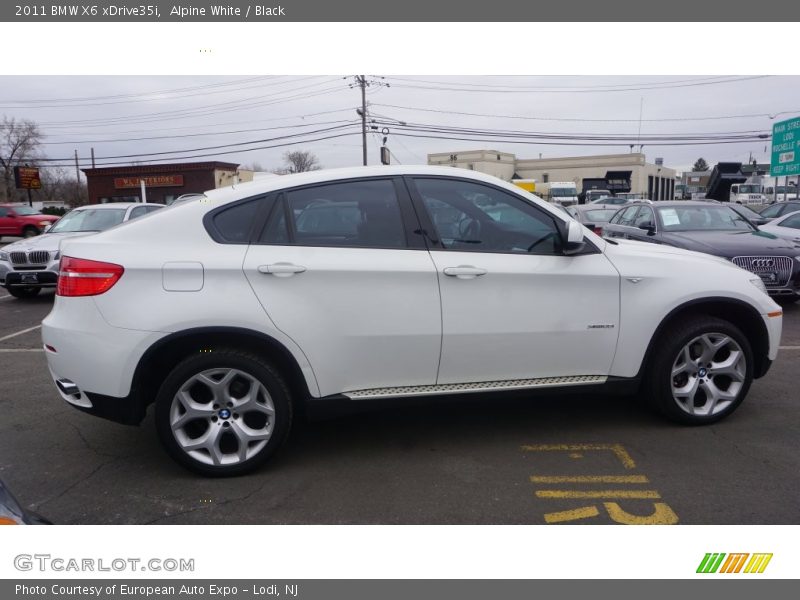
(513, 305)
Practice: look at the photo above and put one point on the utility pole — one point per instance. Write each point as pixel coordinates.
(78, 177)
(362, 82)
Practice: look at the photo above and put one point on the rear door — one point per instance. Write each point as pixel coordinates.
(342, 269)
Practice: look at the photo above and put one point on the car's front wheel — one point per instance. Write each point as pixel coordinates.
(701, 371)
(223, 412)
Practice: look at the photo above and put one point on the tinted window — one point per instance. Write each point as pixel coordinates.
(792, 222)
(149, 209)
(599, 214)
(137, 212)
(351, 214)
(771, 211)
(3, 211)
(233, 224)
(645, 216)
(473, 217)
(627, 216)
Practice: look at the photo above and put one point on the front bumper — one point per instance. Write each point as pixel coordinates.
(41, 277)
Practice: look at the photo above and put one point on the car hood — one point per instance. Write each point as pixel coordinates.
(654, 249)
(732, 243)
(46, 241)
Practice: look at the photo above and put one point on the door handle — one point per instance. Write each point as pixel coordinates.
(464, 272)
(281, 269)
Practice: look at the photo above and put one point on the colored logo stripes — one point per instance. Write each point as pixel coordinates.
(734, 563)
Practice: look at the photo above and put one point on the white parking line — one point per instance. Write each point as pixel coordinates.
(6, 296)
(11, 335)
(21, 349)
(788, 347)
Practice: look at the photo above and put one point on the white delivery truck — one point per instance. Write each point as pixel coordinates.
(564, 193)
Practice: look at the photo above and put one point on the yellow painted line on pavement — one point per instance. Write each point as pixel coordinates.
(571, 515)
(12, 335)
(589, 479)
(611, 494)
(617, 449)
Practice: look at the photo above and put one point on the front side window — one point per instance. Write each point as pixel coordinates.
(474, 217)
(137, 211)
(645, 216)
(626, 217)
(359, 214)
(26, 211)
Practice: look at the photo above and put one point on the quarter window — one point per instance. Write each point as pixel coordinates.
(474, 217)
(233, 224)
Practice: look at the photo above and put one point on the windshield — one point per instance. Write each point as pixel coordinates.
(89, 219)
(749, 189)
(25, 211)
(702, 218)
(563, 192)
(600, 214)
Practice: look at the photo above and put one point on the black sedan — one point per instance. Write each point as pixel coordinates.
(713, 229)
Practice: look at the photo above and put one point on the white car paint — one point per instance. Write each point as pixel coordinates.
(359, 319)
(787, 226)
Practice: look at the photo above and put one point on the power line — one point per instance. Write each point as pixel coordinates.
(584, 120)
(448, 87)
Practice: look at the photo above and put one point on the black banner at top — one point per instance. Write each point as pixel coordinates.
(512, 11)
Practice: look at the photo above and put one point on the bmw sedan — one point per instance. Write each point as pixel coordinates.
(713, 229)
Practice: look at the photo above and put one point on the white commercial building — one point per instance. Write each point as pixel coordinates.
(629, 173)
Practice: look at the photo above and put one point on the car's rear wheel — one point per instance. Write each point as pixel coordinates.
(701, 371)
(24, 292)
(223, 412)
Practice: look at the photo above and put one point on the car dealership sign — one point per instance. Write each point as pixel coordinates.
(149, 181)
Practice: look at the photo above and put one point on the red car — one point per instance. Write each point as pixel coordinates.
(22, 221)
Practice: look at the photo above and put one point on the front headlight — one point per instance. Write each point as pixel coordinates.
(3, 256)
(759, 284)
(44, 223)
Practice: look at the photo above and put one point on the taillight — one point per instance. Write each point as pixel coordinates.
(598, 230)
(82, 277)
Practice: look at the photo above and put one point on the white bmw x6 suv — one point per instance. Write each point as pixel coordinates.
(231, 310)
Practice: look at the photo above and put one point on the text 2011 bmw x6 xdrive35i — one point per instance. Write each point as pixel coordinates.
(231, 310)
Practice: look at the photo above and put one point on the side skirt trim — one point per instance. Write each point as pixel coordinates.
(475, 387)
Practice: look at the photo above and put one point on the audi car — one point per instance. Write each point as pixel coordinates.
(713, 229)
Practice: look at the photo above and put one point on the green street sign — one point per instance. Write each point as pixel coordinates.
(785, 148)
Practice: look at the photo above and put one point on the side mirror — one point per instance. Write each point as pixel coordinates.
(575, 241)
(649, 227)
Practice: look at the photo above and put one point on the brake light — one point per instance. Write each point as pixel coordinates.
(598, 230)
(82, 277)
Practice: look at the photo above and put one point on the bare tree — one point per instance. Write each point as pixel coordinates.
(19, 144)
(299, 162)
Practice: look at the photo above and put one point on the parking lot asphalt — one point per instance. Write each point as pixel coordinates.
(562, 459)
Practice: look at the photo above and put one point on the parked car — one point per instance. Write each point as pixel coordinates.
(749, 214)
(28, 265)
(594, 216)
(610, 200)
(773, 211)
(714, 229)
(18, 220)
(12, 512)
(229, 318)
(591, 195)
(786, 227)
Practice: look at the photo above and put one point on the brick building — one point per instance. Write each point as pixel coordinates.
(163, 182)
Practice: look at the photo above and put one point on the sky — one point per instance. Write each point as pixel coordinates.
(255, 119)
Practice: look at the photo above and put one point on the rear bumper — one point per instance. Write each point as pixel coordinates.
(83, 349)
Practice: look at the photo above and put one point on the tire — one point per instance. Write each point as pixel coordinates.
(700, 372)
(29, 232)
(24, 292)
(228, 432)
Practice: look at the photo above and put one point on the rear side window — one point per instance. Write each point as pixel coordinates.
(233, 224)
(359, 214)
(793, 222)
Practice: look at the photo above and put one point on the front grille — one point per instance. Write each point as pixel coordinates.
(18, 258)
(780, 265)
(38, 257)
